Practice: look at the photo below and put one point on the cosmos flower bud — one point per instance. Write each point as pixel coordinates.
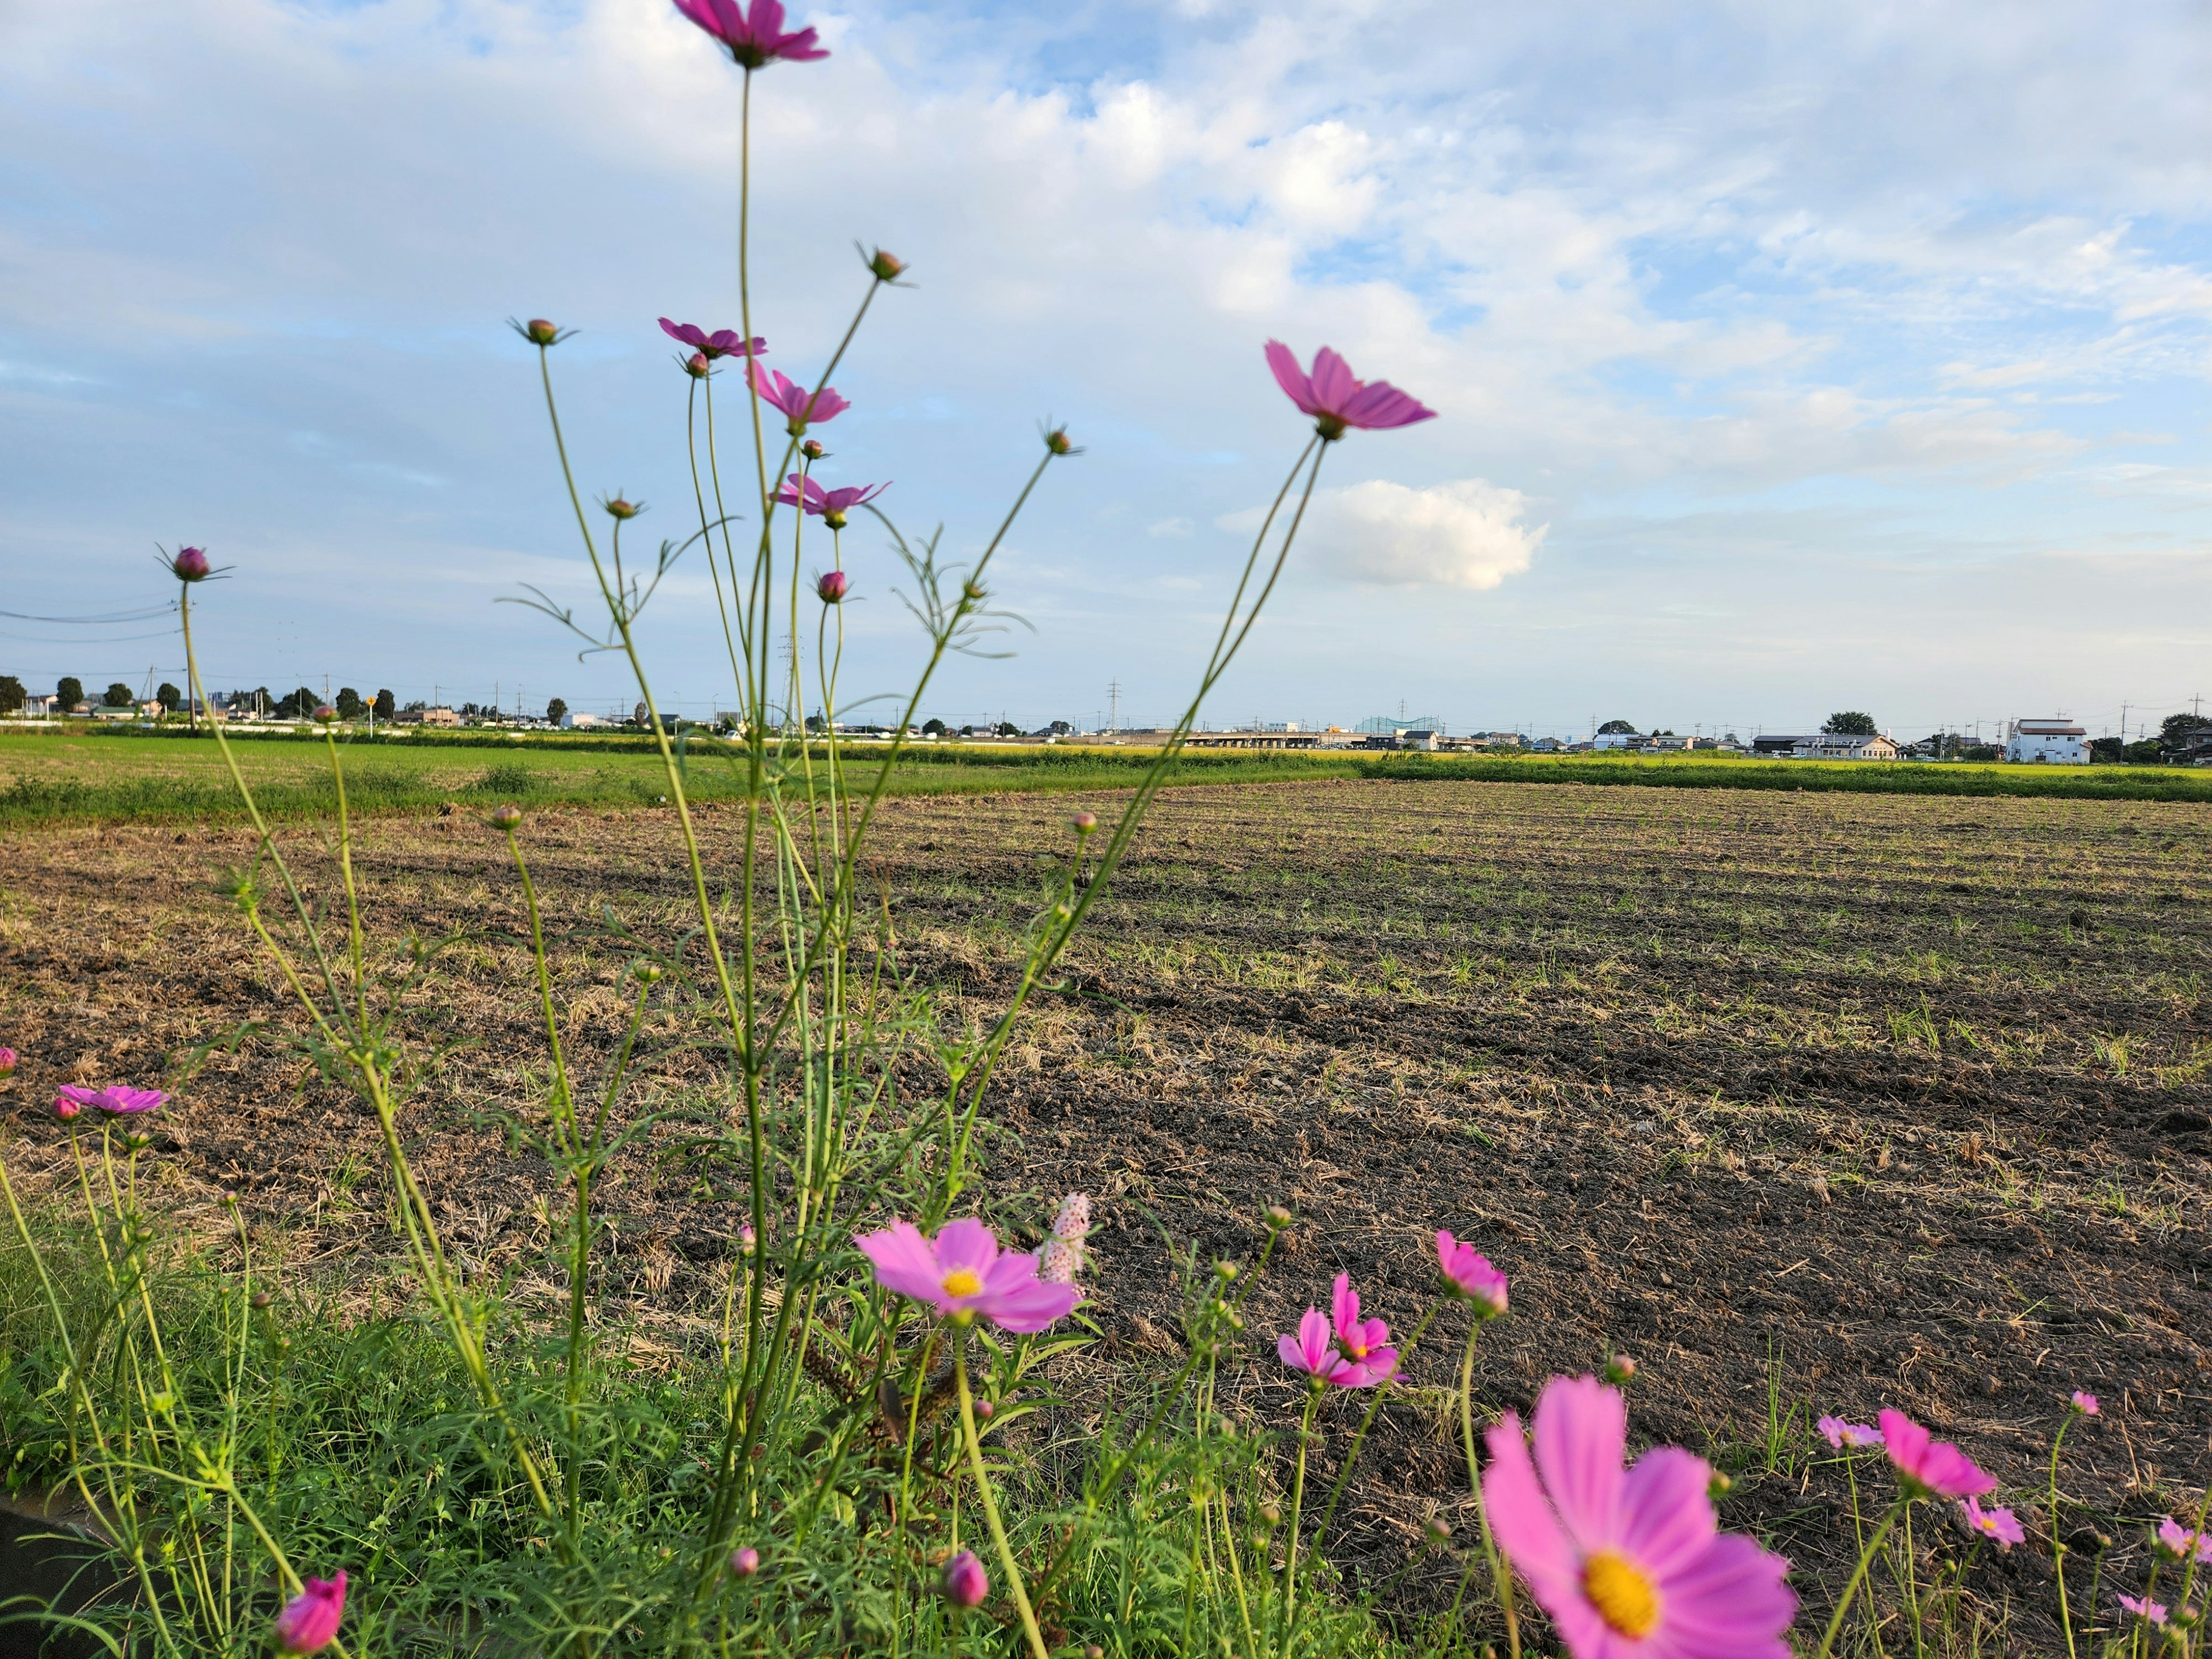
(1620, 1368)
(324, 713)
(1270, 1517)
(986, 1410)
(695, 365)
(506, 815)
(618, 508)
(1718, 1485)
(965, 1582)
(66, 1108)
(191, 565)
(1278, 1218)
(1085, 822)
(1438, 1529)
(813, 449)
(831, 588)
(744, 1562)
(309, 1622)
(1224, 1271)
(886, 266)
(651, 972)
(538, 331)
(1057, 441)
(7, 1062)
(262, 1298)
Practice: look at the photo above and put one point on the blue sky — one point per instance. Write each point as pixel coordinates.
(1789, 357)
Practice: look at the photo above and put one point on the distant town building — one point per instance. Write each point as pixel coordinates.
(2056, 742)
(1826, 745)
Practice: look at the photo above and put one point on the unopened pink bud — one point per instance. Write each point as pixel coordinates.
(886, 266)
(965, 1582)
(619, 508)
(1620, 1368)
(813, 449)
(191, 565)
(309, 1622)
(695, 365)
(7, 1062)
(66, 1108)
(744, 1562)
(1085, 822)
(832, 588)
(538, 331)
(324, 713)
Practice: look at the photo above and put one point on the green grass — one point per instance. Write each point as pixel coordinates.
(72, 774)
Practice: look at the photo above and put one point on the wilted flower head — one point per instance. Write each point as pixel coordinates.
(1309, 1352)
(722, 343)
(965, 1582)
(1627, 1561)
(1335, 400)
(1469, 1274)
(830, 589)
(309, 1622)
(1063, 1253)
(1365, 1342)
(755, 35)
(191, 565)
(1849, 1437)
(801, 407)
(963, 1275)
(830, 506)
(2143, 1608)
(1930, 1466)
(7, 1062)
(2180, 1543)
(2086, 1403)
(2000, 1524)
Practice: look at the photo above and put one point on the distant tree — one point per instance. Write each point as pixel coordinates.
(297, 704)
(1981, 752)
(932, 727)
(2108, 751)
(1059, 728)
(2176, 728)
(12, 696)
(383, 705)
(168, 696)
(2143, 753)
(118, 695)
(69, 691)
(554, 710)
(1007, 729)
(349, 704)
(1851, 723)
(1617, 729)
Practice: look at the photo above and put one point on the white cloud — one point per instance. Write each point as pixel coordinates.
(1466, 533)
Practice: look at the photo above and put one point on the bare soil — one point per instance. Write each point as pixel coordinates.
(1808, 1102)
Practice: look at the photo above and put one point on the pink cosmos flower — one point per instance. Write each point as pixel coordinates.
(1309, 1351)
(2143, 1608)
(1064, 1250)
(755, 39)
(1365, 1343)
(1930, 1466)
(965, 1582)
(722, 343)
(1470, 1275)
(1628, 1563)
(1849, 1437)
(830, 590)
(1335, 400)
(7, 1062)
(2000, 1524)
(66, 1103)
(2085, 1403)
(309, 1622)
(801, 407)
(963, 1274)
(2181, 1543)
(120, 1102)
(830, 506)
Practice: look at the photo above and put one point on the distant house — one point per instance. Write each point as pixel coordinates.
(572, 720)
(2056, 742)
(1826, 745)
(1618, 740)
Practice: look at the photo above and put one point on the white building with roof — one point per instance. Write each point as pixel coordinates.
(2059, 742)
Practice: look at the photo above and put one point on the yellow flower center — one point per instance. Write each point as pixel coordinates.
(1623, 1596)
(961, 1282)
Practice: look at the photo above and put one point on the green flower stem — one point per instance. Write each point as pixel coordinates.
(990, 1505)
(1374, 1406)
(2059, 1542)
(1298, 1502)
(1499, 1576)
(1858, 1577)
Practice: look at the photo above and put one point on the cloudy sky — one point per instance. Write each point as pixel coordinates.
(1788, 357)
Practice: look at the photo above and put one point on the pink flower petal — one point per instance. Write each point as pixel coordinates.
(1333, 385)
(966, 1243)
(1527, 1528)
(904, 1261)
(1731, 1600)
(1581, 1433)
(1666, 1514)
(1289, 376)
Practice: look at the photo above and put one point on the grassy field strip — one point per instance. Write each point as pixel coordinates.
(78, 776)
